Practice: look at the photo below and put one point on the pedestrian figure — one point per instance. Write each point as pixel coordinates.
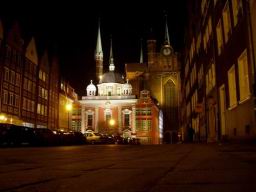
(191, 133)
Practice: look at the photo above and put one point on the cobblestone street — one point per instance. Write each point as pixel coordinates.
(173, 168)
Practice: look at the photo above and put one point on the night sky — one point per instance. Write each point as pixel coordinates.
(71, 29)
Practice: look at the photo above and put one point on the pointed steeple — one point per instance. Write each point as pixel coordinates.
(111, 58)
(167, 38)
(141, 51)
(98, 51)
(99, 55)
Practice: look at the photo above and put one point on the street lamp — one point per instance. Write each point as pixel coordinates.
(112, 122)
(68, 108)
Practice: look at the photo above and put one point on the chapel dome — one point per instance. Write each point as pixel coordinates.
(91, 89)
(111, 77)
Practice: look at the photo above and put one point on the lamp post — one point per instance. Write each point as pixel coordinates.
(68, 108)
(111, 123)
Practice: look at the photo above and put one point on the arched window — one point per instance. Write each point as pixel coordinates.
(171, 103)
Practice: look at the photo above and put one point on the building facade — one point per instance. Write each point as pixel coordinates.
(111, 108)
(219, 71)
(24, 85)
(161, 76)
(67, 97)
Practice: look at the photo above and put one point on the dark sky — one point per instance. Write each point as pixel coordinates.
(71, 27)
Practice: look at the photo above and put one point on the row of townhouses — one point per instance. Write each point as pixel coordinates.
(32, 93)
(218, 88)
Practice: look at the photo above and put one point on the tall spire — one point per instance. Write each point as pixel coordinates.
(98, 51)
(99, 55)
(141, 51)
(111, 58)
(167, 38)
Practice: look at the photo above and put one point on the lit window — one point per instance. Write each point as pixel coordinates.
(213, 75)
(5, 99)
(12, 79)
(33, 106)
(6, 74)
(89, 120)
(232, 86)
(226, 22)
(25, 84)
(237, 10)
(108, 117)
(38, 108)
(244, 89)
(215, 1)
(219, 37)
(16, 100)
(126, 120)
(11, 99)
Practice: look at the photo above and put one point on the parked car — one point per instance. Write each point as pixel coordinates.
(92, 137)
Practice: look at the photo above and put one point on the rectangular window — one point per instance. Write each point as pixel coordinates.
(126, 120)
(207, 83)
(42, 109)
(16, 100)
(244, 88)
(24, 103)
(232, 86)
(29, 105)
(108, 117)
(215, 1)
(213, 75)
(12, 77)
(219, 37)
(210, 26)
(40, 74)
(38, 108)
(45, 110)
(226, 22)
(237, 10)
(29, 86)
(17, 81)
(34, 88)
(89, 119)
(11, 99)
(5, 99)
(44, 76)
(25, 84)
(33, 106)
(6, 74)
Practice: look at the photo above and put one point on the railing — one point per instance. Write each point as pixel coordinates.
(108, 97)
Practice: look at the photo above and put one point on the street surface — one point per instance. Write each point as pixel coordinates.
(175, 168)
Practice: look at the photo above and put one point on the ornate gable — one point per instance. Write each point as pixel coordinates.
(31, 52)
(14, 37)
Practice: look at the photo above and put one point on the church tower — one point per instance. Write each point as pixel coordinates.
(163, 81)
(151, 46)
(99, 56)
(111, 58)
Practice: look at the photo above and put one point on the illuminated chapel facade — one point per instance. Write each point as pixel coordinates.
(110, 107)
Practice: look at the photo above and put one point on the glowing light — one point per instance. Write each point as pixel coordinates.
(112, 122)
(3, 118)
(100, 77)
(68, 106)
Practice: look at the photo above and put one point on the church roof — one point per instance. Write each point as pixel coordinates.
(111, 77)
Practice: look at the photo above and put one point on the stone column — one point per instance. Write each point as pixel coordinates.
(119, 119)
(133, 119)
(96, 119)
(83, 119)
